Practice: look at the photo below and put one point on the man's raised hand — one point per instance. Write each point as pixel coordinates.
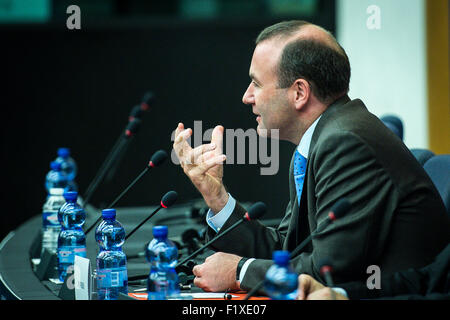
(203, 165)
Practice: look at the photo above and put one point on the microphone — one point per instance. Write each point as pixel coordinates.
(118, 148)
(135, 114)
(131, 129)
(336, 212)
(156, 160)
(167, 200)
(147, 101)
(256, 211)
(325, 270)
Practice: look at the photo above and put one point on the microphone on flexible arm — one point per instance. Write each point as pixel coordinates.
(148, 100)
(337, 211)
(325, 270)
(131, 129)
(167, 200)
(254, 212)
(156, 160)
(136, 113)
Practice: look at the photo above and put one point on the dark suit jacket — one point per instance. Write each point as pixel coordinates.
(397, 218)
(431, 282)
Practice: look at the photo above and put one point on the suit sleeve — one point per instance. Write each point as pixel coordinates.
(251, 239)
(428, 283)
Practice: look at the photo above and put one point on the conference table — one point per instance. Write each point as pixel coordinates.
(20, 251)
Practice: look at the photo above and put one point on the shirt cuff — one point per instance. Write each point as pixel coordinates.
(244, 269)
(216, 221)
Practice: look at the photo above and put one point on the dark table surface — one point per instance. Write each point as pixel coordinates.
(18, 279)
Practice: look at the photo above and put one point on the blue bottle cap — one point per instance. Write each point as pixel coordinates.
(64, 152)
(160, 231)
(55, 165)
(281, 257)
(70, 195)
(109, 214)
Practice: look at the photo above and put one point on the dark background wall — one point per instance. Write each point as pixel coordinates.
(76, 89)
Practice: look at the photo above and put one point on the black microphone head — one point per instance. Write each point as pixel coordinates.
(136, 113)
(132, 127)
(256, 211)
(169, 199)
(147, 101)
(325, 265)
(341, 207)
(158, 158)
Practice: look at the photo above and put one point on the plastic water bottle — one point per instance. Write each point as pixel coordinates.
(55, 178)
(162, 282)
(68, 165)
(112, 277)
(71, 240)
(281, 281)
(50, 224)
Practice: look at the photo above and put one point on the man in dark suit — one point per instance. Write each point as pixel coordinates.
(300, 79)
(431, 282)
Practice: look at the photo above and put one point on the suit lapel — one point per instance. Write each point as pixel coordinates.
(299, 226)
(302, 223)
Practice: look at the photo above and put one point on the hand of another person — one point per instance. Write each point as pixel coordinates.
(203, 165)
(311, 289)
(217, 273)
(325, 294)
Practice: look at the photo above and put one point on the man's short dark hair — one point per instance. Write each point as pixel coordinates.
(327, 71)
(326, 68)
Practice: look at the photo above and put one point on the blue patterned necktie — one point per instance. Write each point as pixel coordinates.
(299, 173)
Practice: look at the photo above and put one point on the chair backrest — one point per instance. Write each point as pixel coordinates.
(438, 168)
(394, 123)
(422, 155)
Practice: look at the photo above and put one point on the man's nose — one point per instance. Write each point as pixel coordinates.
(247, 98)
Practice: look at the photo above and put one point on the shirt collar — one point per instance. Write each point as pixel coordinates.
(303, 147)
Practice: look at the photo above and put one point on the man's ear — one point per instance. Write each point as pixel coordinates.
(301, 92)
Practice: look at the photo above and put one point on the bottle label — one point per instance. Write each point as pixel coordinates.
(50, 218)
(111, 278)
(66, 254)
